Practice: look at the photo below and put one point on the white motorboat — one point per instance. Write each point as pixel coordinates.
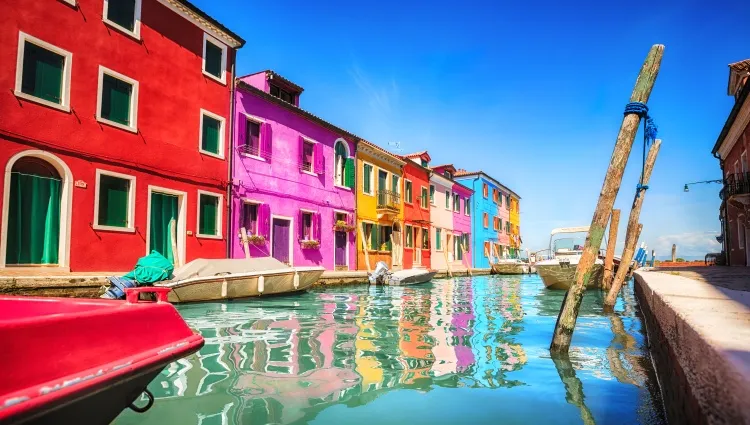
(381, 276)
(558, 272)
(211, 280)
(510, 266)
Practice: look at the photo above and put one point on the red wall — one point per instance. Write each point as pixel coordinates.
(737, 255)
(413, 212)
(167, 63)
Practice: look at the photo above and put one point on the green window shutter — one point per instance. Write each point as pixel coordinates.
(375, 237)
(367, 176)
(447, 199)
(113, 201)
(209, 211)
(210, 136)
(394, 184)
(116, 100)
(42, 73)
(213, 59)
(349, 173)
(438, 240)
(122, 12)
(387, 238)
(432, 194)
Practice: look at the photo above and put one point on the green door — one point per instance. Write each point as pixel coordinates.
(164, 208)
(33, 219)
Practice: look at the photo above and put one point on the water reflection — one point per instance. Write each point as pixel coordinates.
(285, 360)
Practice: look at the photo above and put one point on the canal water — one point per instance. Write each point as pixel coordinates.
(454, 351)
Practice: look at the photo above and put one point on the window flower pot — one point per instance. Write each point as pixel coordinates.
(342, 226)
(310, 244)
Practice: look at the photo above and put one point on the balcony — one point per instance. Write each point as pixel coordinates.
(736, 184)
(389, 202)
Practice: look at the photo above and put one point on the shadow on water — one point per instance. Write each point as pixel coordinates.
(463, 350)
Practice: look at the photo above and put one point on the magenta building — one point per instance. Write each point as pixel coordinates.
(462, 220)
(292, 190)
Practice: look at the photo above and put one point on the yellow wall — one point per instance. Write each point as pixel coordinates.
(366, 204)
(515, 221)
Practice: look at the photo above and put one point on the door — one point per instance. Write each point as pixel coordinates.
(417, 246)
(280, 236)
(164, 208)
(340, 250)
(33, 214)
(397, 250)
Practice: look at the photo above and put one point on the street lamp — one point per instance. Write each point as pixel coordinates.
(687, 189)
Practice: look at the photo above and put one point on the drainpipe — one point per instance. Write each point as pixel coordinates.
(231, 120)
(724, 225)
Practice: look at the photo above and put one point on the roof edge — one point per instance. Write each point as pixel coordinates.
(731, 118)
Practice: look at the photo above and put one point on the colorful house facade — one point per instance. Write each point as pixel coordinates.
(462, 223)
(380, 212)
(446, 242)
(417, 210)
(515, 225)
(114, 124)
(292, 179)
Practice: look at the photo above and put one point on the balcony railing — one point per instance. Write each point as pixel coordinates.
(736, 184)
(388, 200)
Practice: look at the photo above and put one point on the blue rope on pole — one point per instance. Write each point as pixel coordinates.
(649, 135)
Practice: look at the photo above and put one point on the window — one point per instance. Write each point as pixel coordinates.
(499, 198)
(252, 138)
(282, 94)
(367, 178)
(307, 226)
(740, 232)
(447, 199)
(409, 243)
(456, 203)
(507, 201)
(507, 227)
(212, 134)
(423, 198)
(249, 219)
(395, 187)
(486, 249)
(344, 173)
(438, 239)
(407, 191)
(124, 15)
(424, 163)
(114, 206)
(370, 236)
(485, 190)
(467, 206)
(447, 174)
(432, 194)
(495, 223)
(385, 238)
(486, 220)
(214, 58)
(425, 238)
(308, 151)
(43, 72)
(209, 215)
(117, 100)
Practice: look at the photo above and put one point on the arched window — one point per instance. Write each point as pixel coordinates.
(342, 165)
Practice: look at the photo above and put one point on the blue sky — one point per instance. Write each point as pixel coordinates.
(530, 92)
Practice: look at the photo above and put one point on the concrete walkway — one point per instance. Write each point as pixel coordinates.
(699, 335)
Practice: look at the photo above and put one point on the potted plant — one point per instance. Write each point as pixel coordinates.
(256, 240)
(310, 244)
(342, 226)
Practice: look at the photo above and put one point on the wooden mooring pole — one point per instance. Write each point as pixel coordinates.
(674, 252)
(609, 260)
(566, 320)
(631, 238)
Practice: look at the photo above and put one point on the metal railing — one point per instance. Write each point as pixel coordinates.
(737, 184)
(389, 200)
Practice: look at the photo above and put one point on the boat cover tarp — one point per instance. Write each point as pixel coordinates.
(204, 267)
(151, 269)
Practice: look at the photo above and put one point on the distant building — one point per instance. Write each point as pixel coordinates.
(114, 122)
(417, 210)
(447, 209)
(731, 150)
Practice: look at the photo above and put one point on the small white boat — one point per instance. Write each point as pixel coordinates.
(225, 279)
(381, 276)
(559, 271)
(510, 266)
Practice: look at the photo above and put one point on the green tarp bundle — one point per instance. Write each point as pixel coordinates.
(151, 269)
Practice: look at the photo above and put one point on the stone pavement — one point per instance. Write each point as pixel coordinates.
(736, 278)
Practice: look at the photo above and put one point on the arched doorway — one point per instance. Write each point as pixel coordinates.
(36, 216)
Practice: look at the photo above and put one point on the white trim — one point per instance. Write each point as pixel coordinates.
(291, 236)
(136, 33)
(309, 237)
(130, 228)
(411, 202)
(133, 127)
(308, 211)
(181, 219)
(738, 128)
(410, 233)
(251, 201)
(343, 171)
(245, 201)
(426, 200)
(448, 200)
(312, 163)
(70, 2)
(432, 189)
(372, 179)
(66, 204)
(222, 126)
(219, 219)
(213, 40)
(198, 21)
(347, 213)
(260, 121)
(67, 70)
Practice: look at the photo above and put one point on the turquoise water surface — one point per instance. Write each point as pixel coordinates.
(454, 351)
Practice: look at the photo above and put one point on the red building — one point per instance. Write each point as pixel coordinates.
(417, 211)
(114, 122)
(731, 150)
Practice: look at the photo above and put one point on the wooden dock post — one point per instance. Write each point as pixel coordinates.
(365, 244)
(630, 237)
(609, 260)
(674, 252)
(566, 320)
(463, 255)
(245, 244)
(445, 254)
(622, 271)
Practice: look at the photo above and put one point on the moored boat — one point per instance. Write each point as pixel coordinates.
(381, 276)
(211, 280)
(559, 271)
(510, 266)
(76, 361)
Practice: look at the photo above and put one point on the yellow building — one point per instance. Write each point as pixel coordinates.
(380, 212)
(515, 224)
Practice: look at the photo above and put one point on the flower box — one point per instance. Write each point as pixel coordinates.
(307, 244)
(256, 240)
(342, 226)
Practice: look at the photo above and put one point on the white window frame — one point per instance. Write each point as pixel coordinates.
(312, 224)
(456, 205)
(372, 179)
(136, 33)
(467, 207)
(448, 200)
(314, 172)
(432, 189)
(398, 183)
(219, 216)
(408, 230)
(257, 204)
(424, 192)
(217, 43)
(411, 201)
(258, 120)
(487, 195)
(486, 226)
(438, 239)
(130, 228)
(133, 127)
(222, 127)
(22, 39)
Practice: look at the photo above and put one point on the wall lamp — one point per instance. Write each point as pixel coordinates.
(687, 189)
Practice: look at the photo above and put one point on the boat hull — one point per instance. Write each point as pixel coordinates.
(227, 287)
(411, 279)
(557, 276)
(510, 268)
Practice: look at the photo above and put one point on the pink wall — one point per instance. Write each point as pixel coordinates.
(462, 222)
(504, 213)
(281, 184)
(257, 80)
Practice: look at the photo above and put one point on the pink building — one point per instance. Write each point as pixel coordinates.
(292, 178)
(462, 220)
